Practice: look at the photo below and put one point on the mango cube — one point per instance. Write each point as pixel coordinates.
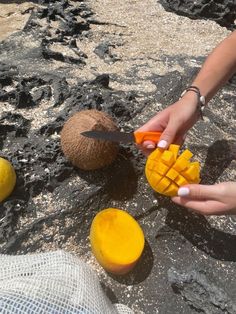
(192, 173)
(172, 174)
(155, 179)
(156, 154)
(163, 184)
(180, 180)
(168, 158)
(174, 149)
(196, 164)
(161, 168)
(181, 164)
(172, 190)
(186, 154)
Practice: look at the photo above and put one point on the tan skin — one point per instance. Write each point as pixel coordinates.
(175, 121)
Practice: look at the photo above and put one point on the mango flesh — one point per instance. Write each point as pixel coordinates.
(166, 171)
(7, 178)
(117, 240)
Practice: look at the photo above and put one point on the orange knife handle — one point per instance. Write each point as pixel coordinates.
(147, 136)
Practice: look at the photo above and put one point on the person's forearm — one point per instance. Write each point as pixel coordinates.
(218, 68)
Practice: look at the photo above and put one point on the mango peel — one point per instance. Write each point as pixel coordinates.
(117, 240)
(167, 170)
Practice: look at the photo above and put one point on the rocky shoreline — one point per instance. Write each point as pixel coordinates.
(128, 61)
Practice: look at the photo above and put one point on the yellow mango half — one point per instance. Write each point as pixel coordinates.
(117, 240)
(166, 170)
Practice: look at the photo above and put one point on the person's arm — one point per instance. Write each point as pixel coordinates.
(218, 67)
(178, 118)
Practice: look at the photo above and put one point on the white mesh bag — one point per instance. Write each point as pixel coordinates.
(52, 283)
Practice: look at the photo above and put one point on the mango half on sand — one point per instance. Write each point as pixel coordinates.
(166, 171)
(117, 240)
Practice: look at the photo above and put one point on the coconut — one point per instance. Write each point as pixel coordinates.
(88, 153)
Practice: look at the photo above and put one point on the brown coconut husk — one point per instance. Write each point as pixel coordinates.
(88, 153)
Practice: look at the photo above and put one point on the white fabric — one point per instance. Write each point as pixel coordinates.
(52, 283)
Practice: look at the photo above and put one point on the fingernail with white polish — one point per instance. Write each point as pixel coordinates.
(162, 144)
(150, 146)
(183, 191)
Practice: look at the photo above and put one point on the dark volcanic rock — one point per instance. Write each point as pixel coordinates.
(61, 91)
(13, 122)
(40, 93)
(103, 50)
(48, 53)
(200, 293)
(7, 73)
(102, 80)
(26, 92)
(58, 23)
(222, 12)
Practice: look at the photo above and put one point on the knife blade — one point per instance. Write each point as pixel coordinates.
(116, 136)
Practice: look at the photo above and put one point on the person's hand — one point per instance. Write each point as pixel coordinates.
(174, 122)
(218, 199)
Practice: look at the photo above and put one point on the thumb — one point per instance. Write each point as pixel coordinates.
(199, 192)
(168, 135)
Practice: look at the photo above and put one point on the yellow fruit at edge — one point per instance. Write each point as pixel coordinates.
(117, 240)
(7, 178)
(166, 171)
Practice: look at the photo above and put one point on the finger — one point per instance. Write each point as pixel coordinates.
(200, 192)
(209, 207)
(149, 145)
(168, 135)
(145, 151)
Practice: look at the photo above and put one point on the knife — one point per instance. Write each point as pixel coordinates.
(116, 136)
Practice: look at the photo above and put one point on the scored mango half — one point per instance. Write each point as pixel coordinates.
(166, 170)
